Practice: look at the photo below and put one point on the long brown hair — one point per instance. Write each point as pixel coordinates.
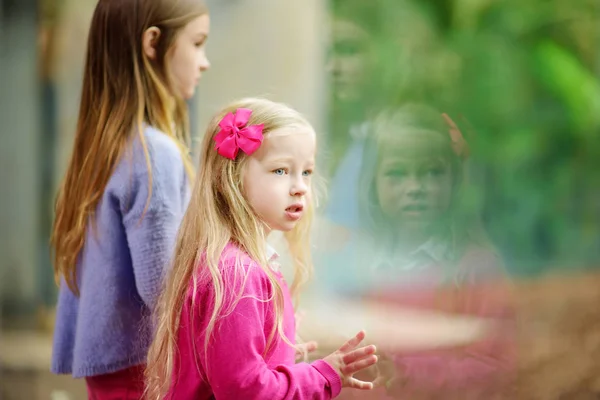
(122, 89)
(218, 214)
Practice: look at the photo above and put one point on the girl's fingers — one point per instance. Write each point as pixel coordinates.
(361, 385)
(302, 350)
(351, 369)
(352, 343)
(311, 346)
(386, 371)
(358, 354)
(380, 381)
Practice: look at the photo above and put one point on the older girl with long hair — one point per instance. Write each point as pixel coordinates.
(126, 187)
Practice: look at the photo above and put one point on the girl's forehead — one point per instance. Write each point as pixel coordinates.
(416, 145)
(412, 161)
(347, 30)
(288, 143)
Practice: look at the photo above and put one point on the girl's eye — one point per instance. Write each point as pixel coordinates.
(308, 172)
(347, 48)
(437, 171)
(279, 171)
(395, 173)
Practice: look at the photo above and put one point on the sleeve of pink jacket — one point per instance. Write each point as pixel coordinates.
(485, 368)
(234, 363)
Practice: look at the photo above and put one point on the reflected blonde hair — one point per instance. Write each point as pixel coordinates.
(122, 89)
(217, 215)
(460, 226)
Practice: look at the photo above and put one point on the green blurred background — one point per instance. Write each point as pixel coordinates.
(521, 81)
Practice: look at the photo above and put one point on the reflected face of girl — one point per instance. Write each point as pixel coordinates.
(413, 190)
(347, 60)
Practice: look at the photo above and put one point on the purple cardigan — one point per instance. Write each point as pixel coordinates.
(122, 262)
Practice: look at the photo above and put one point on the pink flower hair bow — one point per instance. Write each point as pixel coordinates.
(459, 144)
(235, 134)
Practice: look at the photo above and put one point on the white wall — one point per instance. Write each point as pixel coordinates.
(270, 48)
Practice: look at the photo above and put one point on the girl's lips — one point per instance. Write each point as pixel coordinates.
(416, 207)
(294, 212)
(294, 216)
(416, 210)
(295, 208)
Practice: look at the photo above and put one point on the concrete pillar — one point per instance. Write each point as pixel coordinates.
(19, 156)
(266, 48)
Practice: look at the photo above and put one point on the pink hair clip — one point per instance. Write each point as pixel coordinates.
(235, 135)
(459, 144)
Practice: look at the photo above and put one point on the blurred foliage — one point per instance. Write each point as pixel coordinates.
(521, 80)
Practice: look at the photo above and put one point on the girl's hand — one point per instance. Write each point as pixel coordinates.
(349, 359)
(381, 374)
(304, 349)
(387, 371)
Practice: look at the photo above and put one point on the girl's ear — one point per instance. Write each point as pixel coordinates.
(149, 42)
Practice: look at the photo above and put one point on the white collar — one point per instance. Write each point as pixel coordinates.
(433, 248)
(272, 257)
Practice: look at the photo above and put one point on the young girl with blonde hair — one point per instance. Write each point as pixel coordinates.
(126, 187)
(226, 323)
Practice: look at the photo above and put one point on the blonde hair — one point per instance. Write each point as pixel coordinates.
(122, 89)
(219, 214)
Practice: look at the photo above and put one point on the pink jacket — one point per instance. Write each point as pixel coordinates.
(237, 365)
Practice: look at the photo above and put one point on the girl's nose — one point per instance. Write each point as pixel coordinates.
(414, 186)
(204, 64)
(299, 188)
